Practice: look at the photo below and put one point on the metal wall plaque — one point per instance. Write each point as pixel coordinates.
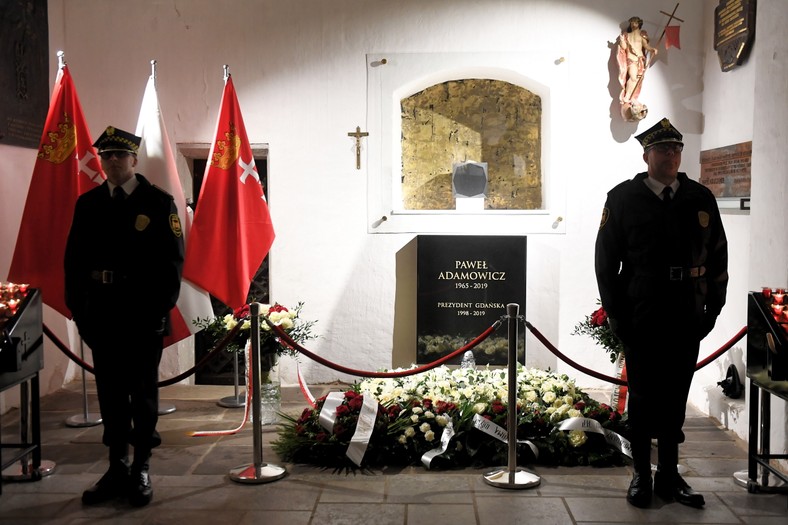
(726, 171)
(464, 284)
(24, 71)
(734, 30)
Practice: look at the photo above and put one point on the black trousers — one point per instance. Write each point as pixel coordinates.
(127, 373)
(659, 375)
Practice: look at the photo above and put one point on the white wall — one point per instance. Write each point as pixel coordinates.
(300, 72)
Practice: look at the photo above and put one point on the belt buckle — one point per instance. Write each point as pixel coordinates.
(106, 276)
(676, 273)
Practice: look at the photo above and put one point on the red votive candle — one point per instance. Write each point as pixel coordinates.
(766, 291)
(23, 288)
(778, 298)
(778, 309)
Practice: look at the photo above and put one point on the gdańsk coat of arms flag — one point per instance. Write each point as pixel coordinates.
(66, 168)
(232, 231)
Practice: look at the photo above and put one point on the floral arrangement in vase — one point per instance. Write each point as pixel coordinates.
(270, 347)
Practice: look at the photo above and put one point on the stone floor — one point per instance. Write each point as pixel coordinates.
(192, 483)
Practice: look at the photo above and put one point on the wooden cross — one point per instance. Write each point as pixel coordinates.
(357, 135)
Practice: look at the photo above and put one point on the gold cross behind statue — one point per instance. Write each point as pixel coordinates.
(357, 135)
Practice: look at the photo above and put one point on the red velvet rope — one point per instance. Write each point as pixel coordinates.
(167, 382)
(283, 336)
(724, 348)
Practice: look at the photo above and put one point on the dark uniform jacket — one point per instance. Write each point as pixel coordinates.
(661, 263)
(123, 261)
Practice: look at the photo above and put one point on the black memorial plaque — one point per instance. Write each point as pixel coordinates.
(24, 71)
(734, 30)
(464, 285)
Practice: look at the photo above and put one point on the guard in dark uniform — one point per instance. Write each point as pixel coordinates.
(123, 266)
(662, 271)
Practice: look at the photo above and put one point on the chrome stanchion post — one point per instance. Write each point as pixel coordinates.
(236, 400)
(258, 472)
(85, 419)
(512, 476)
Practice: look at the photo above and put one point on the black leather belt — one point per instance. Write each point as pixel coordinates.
(679, 273)
(672, 273)
(106, 276)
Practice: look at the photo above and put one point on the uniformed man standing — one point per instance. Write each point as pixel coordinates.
(662, 271)
(123, 269)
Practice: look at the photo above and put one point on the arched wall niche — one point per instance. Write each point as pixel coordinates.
(394, 77)
(487, 121)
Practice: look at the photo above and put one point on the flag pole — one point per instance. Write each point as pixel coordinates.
(86, 419)
(234, 401)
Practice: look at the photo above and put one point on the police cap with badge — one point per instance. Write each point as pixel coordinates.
(116, 140)
(662, 132)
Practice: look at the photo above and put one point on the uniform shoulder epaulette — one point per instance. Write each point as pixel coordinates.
(165, 192)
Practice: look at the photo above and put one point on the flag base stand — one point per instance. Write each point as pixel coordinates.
(520, 478)
(257, 474)
(83, 420)
(236, 401)
(166, 408)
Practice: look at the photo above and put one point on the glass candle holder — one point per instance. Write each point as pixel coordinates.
(766, 291)
(778, 298)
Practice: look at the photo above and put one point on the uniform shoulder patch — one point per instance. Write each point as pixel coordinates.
(175, 225)
(605, 216)
(703, 219)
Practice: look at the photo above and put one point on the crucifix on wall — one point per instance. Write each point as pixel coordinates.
(358, 134)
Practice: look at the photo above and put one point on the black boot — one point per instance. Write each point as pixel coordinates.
(668, 484)
(111, 485)
(639, 493)
(140, 489)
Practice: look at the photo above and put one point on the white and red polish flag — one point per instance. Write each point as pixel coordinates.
(66, 167)
(232, 231)
(157, 163)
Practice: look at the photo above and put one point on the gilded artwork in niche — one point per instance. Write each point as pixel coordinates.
(479, 120)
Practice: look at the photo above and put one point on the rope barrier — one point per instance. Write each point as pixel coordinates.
(283, 336)
(167, 382)
(717, 353)
(568, 361)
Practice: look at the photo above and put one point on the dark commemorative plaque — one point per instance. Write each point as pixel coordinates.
(734, 29)
(24, 71)
(464, 285)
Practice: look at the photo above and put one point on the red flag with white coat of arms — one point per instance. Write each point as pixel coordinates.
(66, 167)
(232, 231)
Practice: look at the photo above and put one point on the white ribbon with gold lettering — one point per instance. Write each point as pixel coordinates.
(446, 435)
(500, 433)
(364, 428)
(614, 439)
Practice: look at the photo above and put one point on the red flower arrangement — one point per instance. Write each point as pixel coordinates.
(596, 326)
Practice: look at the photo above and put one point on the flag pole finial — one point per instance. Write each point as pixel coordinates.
(226, 72)
(61, 60)
(153, 68)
